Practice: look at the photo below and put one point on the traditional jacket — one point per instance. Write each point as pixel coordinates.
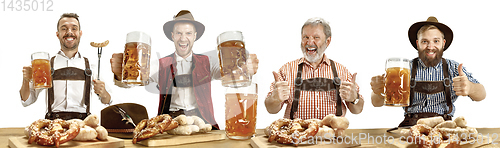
(200, 76)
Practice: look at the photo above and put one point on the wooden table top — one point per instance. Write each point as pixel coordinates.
(494, 133)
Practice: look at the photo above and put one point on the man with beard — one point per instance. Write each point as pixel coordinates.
(435, 82)
(184, 77)
(69, 96)
(314, 86)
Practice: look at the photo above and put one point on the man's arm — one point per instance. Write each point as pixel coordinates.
(377, 84)
(463, 87)
(279, 93)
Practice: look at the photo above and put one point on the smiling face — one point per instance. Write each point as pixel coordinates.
(430, 46)
(314, 42)
(184, 35)
(69, 33)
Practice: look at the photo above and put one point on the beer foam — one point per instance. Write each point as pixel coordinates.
(251, 89)
(137, 36)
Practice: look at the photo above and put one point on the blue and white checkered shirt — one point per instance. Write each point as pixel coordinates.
(435, 103)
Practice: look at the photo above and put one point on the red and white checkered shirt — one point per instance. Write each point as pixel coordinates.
(312, 104)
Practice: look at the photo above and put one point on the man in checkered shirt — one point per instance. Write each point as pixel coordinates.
(307, 86)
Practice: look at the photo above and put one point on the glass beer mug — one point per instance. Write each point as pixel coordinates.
(135, 66)
(241, 111)
(41, 73)
(232, 59)
(397, 82)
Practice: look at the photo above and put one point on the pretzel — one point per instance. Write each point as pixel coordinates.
(47, 132)
(103, 44)
(431, 132)
(286, 131)
(149, 128)
(420, 134)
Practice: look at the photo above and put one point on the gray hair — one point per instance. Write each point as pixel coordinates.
(316, 21)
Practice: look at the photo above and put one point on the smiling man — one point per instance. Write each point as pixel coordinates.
(184, 77)
(449, 78)
(69, 96)
(314, 86)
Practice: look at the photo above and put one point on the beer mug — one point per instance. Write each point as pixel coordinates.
(397, 82)
(135, 66)
(232, 59)
(241, 111)
(41, 73)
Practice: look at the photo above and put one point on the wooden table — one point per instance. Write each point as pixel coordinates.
(6, 133)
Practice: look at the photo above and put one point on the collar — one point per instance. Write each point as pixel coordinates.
(325, 60)
(180, 59)
(421, 63)
(77, 55)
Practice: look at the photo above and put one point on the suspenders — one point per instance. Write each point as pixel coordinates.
(71, 73)
(431, 87)
(316, 84)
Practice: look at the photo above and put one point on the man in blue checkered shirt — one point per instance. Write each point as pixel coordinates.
(435, 82)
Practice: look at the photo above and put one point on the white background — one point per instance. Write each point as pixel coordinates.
(364, 34)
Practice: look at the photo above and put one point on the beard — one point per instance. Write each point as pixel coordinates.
(69, 47)
(310, 58)
(430, 62)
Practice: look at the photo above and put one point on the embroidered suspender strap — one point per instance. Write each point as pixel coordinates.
(50, 92)
(447, 85)
(86, 93)
(298, 84)
(337, 82)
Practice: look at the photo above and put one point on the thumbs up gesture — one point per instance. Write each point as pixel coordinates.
(281, 89)
(348, 90)
(461, 84)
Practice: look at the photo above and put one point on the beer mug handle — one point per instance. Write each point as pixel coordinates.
(385, 78)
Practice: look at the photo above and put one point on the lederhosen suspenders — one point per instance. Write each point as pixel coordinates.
(70, 73)
(316, 84)
(178, 81)
(431, 87)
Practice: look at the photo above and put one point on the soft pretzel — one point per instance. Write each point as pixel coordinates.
(149, 128)
(52, 132)
(286, 131)
(103, 44)
(431, 132)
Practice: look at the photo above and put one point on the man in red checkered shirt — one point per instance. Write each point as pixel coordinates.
(310, 86)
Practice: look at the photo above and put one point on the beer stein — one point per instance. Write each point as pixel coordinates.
(397, 82)
(241, 111)
(232, 59)
(135, 66)
(41, 73)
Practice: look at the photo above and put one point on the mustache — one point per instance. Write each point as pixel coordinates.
(314, 46)
(69, 35)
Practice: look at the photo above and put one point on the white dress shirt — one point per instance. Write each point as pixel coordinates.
(68, 94)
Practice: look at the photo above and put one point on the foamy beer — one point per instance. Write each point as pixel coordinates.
(397, 82)
(232, 59)
(135, 66)
(241, 111)
(41, 73)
